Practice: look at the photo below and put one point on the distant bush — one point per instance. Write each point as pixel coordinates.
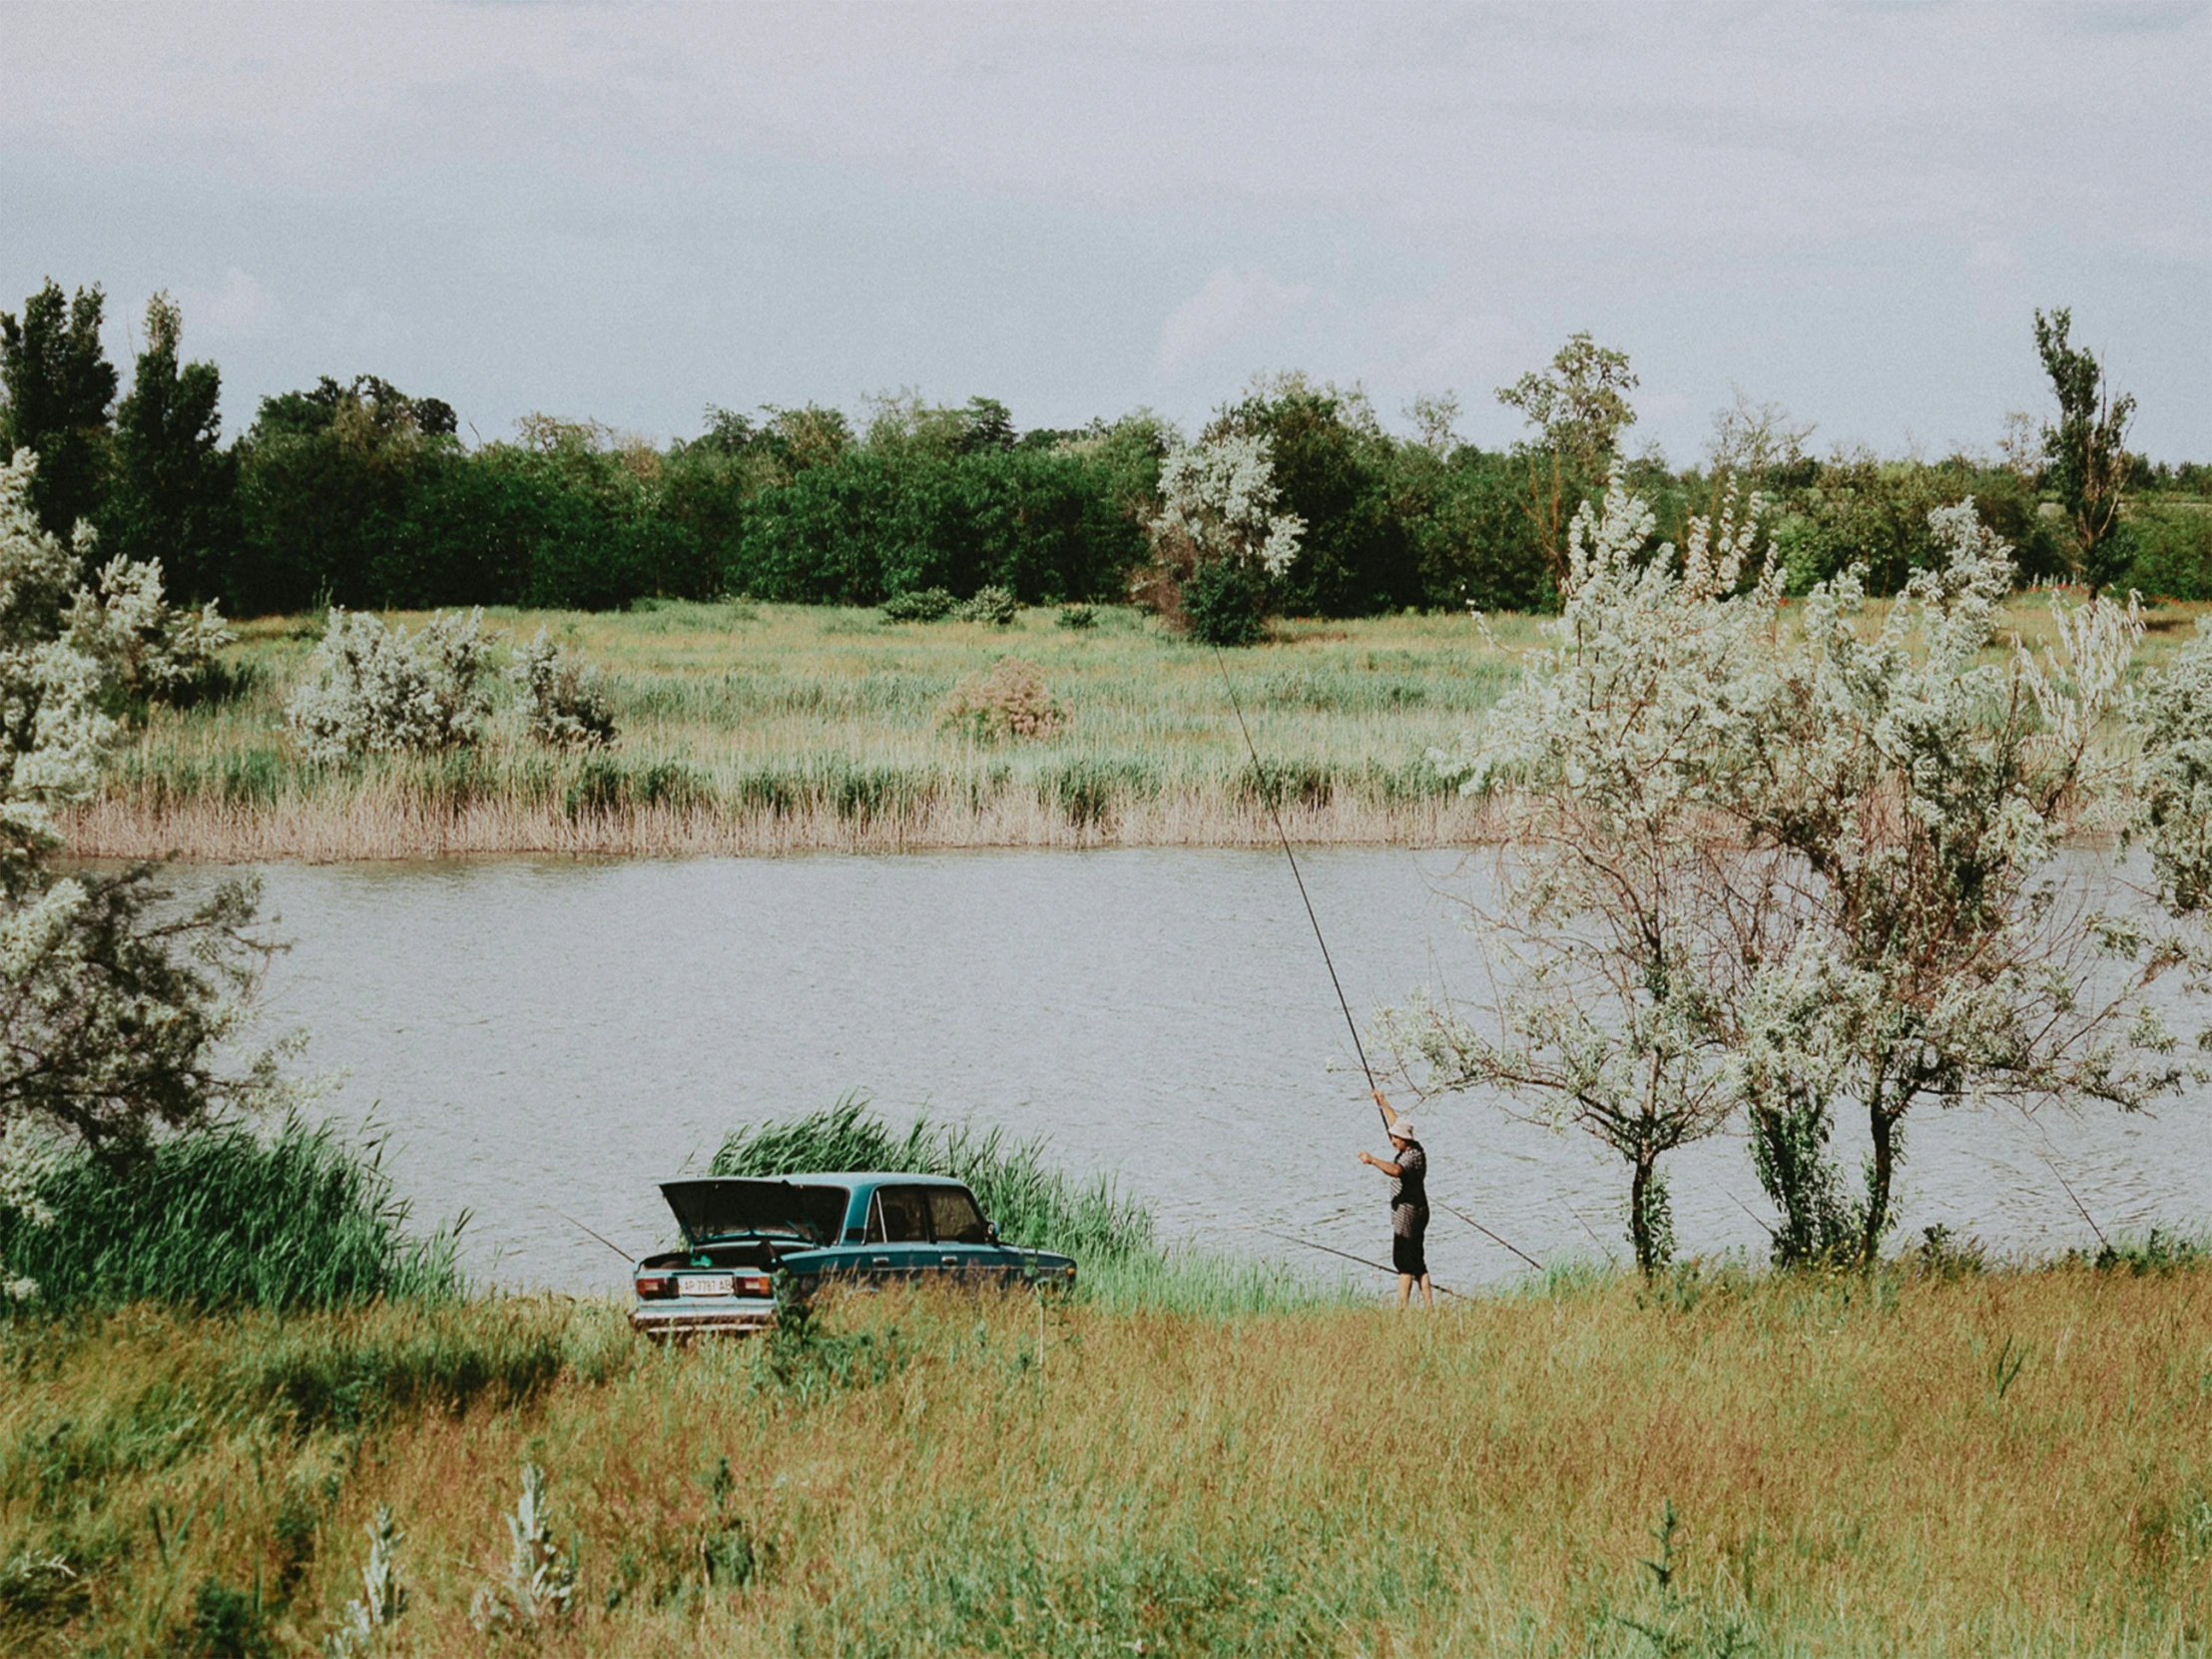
(1078, 616)
(993, 605)
(568, 705)
(1225, 603)
(380, 690)
(1033, 1203)
(927, 605)
(2173, 550)
(1012, 701)
(219, 1217)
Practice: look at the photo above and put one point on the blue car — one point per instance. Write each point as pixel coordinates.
(864, 1228)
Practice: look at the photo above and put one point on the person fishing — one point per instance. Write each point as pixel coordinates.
(1408, 1168)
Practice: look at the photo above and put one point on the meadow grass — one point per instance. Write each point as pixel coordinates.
(778, 727)
(2016, 1463)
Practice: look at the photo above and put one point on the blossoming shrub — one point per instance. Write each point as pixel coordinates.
(565, 697)
(380, 689)
(147, 648)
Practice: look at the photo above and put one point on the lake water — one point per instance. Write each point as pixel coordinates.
(552, 1037)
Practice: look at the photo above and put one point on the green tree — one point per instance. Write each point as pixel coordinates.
(59, 385)
(1579, 407)
(174, 495)
(2086, 451)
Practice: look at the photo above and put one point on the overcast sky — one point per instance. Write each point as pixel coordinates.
(628, 212)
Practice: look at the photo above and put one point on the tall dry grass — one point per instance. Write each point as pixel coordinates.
(2008, 1463)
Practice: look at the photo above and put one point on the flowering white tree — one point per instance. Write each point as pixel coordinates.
(1218, 497)
(1218, 538)
(1785, 870)
(114, 1003)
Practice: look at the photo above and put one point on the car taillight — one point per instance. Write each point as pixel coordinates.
(659, 1284)
(750, 1286)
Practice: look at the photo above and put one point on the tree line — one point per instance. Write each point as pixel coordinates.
(355, 493)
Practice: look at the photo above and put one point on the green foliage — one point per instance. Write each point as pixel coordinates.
(225, 1623)
(991, 605)
(921, 605)
(58, 387)
(1225, 603)
(2171, 547)
(174, 493)
(1788, 1153)
(1077, 616)
(1333, 469)
(221, 1217)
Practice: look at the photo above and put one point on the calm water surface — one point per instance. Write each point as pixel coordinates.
(556, 1037)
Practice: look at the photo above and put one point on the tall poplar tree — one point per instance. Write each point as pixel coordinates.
(59, 387)
(175, 496)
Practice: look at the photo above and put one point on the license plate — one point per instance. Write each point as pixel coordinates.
(704, 1285)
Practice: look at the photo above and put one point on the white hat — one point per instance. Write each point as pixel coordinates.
(1402, 1130)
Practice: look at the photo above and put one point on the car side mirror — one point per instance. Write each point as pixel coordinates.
(990, 1230)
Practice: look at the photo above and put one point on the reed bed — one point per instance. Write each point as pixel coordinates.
(781, 729)
(2014, 1462)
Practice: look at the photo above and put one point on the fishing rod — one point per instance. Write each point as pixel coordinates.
(1350, 1025)
(2078, 1204)
(1493, 1238)
(1275, 813)
(601, 1237)
(1293, 1238)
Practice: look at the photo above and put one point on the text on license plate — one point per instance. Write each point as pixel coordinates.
(711, 1284)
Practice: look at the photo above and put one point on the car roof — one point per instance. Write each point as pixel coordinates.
(844, 1178)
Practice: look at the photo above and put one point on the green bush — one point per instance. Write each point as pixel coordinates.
(1226, 604)
(221, 1217)
(1078, 616)
(926, 605)
(993, 605)
(2173, 550)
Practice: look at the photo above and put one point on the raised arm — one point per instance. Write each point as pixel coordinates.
(1389, 1117)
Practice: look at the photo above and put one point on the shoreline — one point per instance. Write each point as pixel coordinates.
(392, 830)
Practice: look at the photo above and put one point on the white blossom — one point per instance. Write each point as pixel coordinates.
(380, 690)
(1218, 498)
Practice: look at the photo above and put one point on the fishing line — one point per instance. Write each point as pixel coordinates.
(601, 1237)
(1293, 1238)
(1493, 1238)
(1275, 812)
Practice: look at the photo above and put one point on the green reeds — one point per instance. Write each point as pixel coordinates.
(222, 1218)
(1033, 1203)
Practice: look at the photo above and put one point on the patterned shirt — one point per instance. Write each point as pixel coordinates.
(1409, 1191)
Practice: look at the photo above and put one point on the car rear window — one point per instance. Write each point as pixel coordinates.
(954, 1217)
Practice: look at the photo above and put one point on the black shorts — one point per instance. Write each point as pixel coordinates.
(1407, 1256)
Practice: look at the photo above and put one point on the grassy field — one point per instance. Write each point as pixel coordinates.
(765, 728)
(1998, 1464)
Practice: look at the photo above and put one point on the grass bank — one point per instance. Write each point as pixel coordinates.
(2016, 1463)
(776, 728)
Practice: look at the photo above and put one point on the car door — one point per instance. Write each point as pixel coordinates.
(898, 1243)
(962, 1238)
